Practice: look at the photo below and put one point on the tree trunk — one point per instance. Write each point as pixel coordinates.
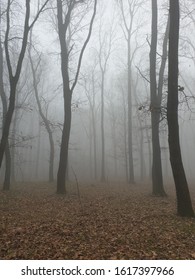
(130, 136)
(44, 118)
(7, 122)
(142, 160)
(63, 25)
(38, 150)
(61, 175)
(7, 179)
(157, 178)
(125, 135)
(94, 144)
(13, 148)
(103, 177)
(6, 184)
(184, 205)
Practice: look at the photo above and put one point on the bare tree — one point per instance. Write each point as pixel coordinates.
(184, 205)
(64, 18)
(14, 77)
(129, 9)
(104, 52)
(156, 98)
(89, 83)
(121, 88)
(47, 124)
(113, 125)
(6, 184)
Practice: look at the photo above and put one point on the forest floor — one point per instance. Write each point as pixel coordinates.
(107, 221)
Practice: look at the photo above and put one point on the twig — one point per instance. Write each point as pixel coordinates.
(142, 74)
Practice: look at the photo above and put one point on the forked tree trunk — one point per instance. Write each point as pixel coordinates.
(184, 205)
(63, 25)
(155, 108)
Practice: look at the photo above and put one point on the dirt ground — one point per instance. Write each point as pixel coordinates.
(107, 221)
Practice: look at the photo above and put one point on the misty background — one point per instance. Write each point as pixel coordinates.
(28, 138)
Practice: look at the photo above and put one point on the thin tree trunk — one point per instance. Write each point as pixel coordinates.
(125, 136)
(184, 205)
(103, 178)
(45, 120)
(7, 179)
(142, 160)
(61, 175)
(94, 145)
(13, 148)
(63, 25)
(38, 150)
(7, 123)
(149, 154)
(130, 136)
(6, 184)
(155, 107)
(115, 150)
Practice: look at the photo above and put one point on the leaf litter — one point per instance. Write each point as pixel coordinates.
(114, 221)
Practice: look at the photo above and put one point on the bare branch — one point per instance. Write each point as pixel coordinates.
(84, 46)
(38, 14)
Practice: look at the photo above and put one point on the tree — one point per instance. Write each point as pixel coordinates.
(156, 98)
(89, 83)
(14, 77)
(104, 52)
(129, 9)
(6, 184)
(64, 19)
(46, 122)
(121, 88)
(184, 205)
(112, 111)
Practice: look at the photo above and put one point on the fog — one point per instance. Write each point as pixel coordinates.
(28, 138)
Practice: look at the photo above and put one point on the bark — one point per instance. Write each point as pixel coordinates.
(6, 184)
(13, 148)
(63, 25)
(62, 28)
(184, 205)
(7, 179)
(61, 175)
(155, 107)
